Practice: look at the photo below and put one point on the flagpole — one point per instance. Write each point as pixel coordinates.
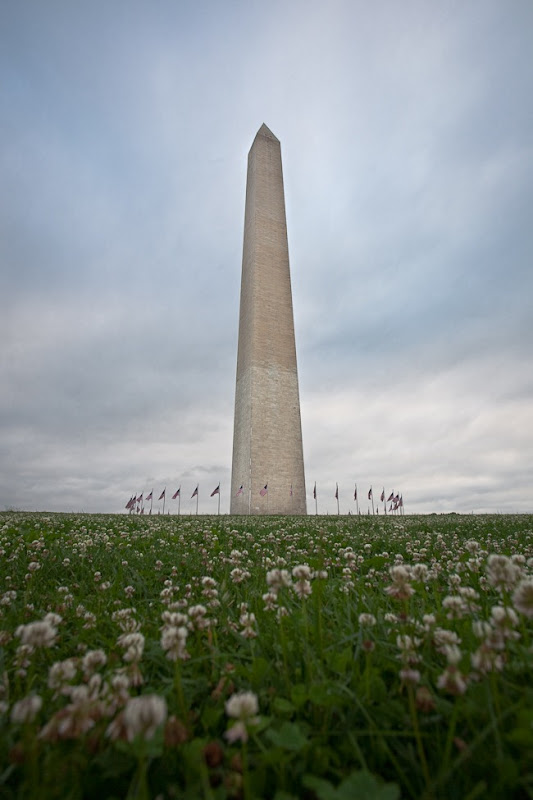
(356, 501)
(179, 502)
(164, 498)
(196, 501)
(371, 493)
(219, 502)
(337, 499)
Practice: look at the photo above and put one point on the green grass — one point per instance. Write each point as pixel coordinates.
(422, 697)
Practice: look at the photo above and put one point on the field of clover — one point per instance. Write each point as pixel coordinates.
(325, 658)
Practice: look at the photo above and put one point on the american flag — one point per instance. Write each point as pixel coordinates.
(195, 493)
(162, 494)
(370, 493)
(176, 493)
(264, 490)
(314, 492)
(150, 495)
(216, 491)
(337, 492)
(241, 489)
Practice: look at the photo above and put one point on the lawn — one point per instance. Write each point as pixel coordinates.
(266, 657)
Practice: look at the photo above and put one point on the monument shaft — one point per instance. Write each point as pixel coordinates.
(267, 438)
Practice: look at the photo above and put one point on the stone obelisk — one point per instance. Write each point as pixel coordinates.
(268, 466)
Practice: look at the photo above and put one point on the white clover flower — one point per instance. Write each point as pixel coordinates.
(420, 572)
(174, 618)
(133, 644)
(504, 617)
(407, 643)
(126, 621)
(523, 597)
(501, 572)
(247, 620)
(277, 579)
(346, 573)
(174, 641)
(143, 715)
(270, 599)
(239, 575)
(53, 619)
(411, 676)
(367, 620)
(455, 606)
(120, 683)
(26, 710)
(481, 628)
(61, 673)
(486, 659)
(37, 634)
(400, 587)
(92, 660)
(242, 705)
(443, 637)
(8, 597)
(452, 653)
(197, 619)
(237, 732)
(452, 681)
(302, 572)
(89, 620)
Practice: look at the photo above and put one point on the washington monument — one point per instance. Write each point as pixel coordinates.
(268, 465)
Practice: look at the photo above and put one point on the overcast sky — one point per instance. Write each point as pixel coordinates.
(407, 142)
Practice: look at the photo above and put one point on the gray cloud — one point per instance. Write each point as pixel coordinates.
(408, 171)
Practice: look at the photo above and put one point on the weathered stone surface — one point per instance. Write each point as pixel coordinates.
(267, 439)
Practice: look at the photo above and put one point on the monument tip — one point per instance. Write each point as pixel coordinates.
(264, 130)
